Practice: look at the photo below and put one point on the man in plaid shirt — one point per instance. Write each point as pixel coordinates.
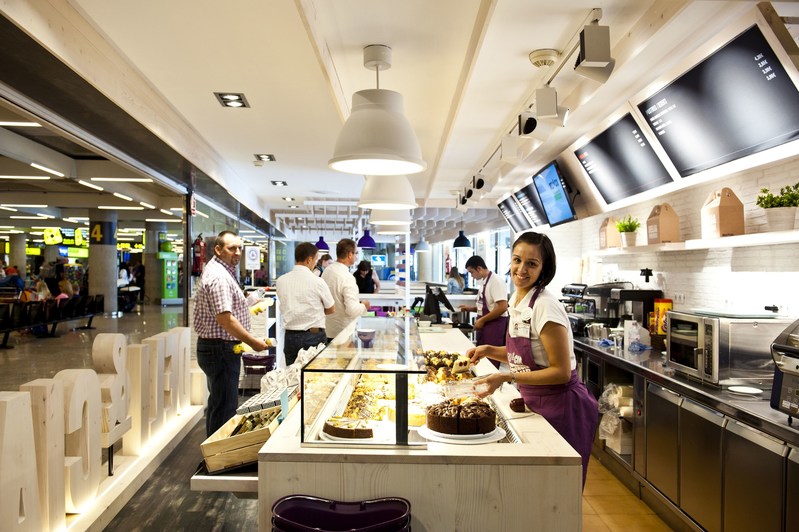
(222, 320)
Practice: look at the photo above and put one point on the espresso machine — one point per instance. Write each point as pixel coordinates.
(619, 301)
(581, 310)
(606, 310)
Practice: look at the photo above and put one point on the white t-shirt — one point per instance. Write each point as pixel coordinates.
(495, 290)
(547, 308)
(345, 295)
(303, 299)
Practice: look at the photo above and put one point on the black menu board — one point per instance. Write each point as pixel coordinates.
(527, 198)
(621, 162)
(513, 215)
(737, 102)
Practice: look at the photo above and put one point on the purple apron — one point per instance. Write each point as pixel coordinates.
(569, 408)
(493, 332)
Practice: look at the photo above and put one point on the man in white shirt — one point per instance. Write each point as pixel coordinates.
(344, 288)
(304, 301)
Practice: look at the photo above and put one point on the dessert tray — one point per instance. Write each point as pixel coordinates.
(462, 439)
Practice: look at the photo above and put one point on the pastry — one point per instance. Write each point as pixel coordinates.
(517, 405)
(343, 427)
(456, 416)
(460, 365)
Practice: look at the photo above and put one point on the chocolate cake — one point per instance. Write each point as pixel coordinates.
(342, 427)
(456, 416)
(517, 405)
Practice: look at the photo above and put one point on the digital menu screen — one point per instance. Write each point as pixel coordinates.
(553, 195)
(737, 102)
(513, 215)
(528, 201)
(621, 162)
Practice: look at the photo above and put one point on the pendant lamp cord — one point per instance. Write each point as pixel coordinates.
(377, 77)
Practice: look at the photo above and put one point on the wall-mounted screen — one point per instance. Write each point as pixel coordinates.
(551, 189)
(737, 102)
(528, 201)
(621, 162)
(513, 215)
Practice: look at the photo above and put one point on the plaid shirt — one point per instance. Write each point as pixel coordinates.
(218, 292)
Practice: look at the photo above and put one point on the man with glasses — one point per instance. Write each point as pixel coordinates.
(344, 289)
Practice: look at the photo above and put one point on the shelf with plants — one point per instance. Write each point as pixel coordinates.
(771, 238)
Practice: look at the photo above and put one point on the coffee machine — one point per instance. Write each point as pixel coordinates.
(581, 310)
(619, 301)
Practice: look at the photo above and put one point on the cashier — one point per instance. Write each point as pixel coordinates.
(492, 304)
(539, 349)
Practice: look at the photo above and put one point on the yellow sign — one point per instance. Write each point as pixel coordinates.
(52, 236)
(31, 252)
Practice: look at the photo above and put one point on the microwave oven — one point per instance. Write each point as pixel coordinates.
(722, 350)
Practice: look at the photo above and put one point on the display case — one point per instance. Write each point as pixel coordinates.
(362, 388)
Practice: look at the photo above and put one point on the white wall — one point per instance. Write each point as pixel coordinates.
(741, 278)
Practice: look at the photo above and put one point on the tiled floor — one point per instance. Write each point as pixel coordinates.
(607, 504)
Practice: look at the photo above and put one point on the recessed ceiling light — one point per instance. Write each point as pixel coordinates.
(120, 207)
(26, 218)
(122, 196)
(124, 179)
(147, 205)
(26, 205)
(293, 207)
(48, 170)
(279, 183)
(231, 99)
(169, 213)
(90, 185)
(48, 216)
(8, 208)
(288, 199)
(26, 177)
(161, 220)
(19, 124)
(265, 157)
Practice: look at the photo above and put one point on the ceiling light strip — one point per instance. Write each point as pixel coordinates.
(46, 169)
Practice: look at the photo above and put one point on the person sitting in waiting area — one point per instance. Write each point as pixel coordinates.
(65, 286)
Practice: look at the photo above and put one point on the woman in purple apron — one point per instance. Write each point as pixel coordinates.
(539, 349)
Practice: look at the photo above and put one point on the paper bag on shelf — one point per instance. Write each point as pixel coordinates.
(663, 225)
(609, 236)
(722, 214)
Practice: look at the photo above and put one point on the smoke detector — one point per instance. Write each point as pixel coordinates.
(543, 58)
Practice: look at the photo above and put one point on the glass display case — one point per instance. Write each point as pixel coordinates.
(362, 388)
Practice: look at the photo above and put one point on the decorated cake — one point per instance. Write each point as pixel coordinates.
(462, 416)
(343, 427)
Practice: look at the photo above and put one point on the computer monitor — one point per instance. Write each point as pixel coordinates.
(434, 298)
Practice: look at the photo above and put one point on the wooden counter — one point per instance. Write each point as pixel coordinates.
(534, 484)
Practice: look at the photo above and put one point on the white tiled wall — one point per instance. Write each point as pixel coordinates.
(746, 278)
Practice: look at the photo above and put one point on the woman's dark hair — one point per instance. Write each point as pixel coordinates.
(364, 266)
(544, 244)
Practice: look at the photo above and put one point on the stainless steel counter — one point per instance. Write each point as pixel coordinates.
(754, 411)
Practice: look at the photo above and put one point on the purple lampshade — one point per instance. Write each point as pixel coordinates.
(366, 241)
(322, 245)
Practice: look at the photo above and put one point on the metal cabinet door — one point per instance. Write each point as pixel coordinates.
(754, 479)
(662, 446)
(701, 431)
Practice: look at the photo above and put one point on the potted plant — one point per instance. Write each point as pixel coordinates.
(780, 209)
(627, 227)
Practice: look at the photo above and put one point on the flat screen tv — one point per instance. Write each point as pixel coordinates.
(621, 162)
(513, 215)
(736, 102)
(552, 192)
(528, 201)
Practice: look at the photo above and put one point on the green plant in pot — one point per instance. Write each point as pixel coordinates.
(780, 209)
(627, 226)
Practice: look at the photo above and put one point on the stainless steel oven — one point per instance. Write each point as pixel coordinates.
(722, 350)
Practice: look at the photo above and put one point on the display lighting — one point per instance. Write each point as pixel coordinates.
(46, 169)
(367, 241)
(321, 245)
(90, 185)
(377, 138)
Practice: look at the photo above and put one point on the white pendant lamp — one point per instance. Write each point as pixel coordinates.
(422, 246)
(387, 193)
(397, 217)
(377, 138)
(393, 230)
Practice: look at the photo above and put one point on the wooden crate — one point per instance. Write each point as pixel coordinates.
(222, 451)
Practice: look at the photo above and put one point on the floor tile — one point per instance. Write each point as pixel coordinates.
(587, 508)
(618, 504)
(594, 523)
(606, 487)
(634, 523)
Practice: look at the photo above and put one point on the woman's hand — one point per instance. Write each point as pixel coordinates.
(478, 324)
(476, 353)
(493, 381)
